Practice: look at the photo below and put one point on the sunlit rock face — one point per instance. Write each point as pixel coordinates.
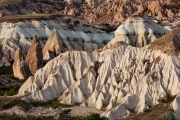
(21, 34)
(117, 11)
(89, 2)
(54, 46)
(34, 56)
(138, 31)
(120, 79)
(20, 67)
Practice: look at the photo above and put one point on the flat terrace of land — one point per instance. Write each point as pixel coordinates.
(9, 2)
(17, 18)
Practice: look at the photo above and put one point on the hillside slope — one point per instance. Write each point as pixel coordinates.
(120, 80)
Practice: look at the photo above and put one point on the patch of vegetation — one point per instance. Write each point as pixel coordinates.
(10, 102)
(6, 70)
(9, 90)
(68, 20)
(108, 28)
(76, 23)
(170, 116)
(91, 117)
(167, 98)
(97, 65)
(17, 18)
(10, 117)
(148, 67)
(51, 103)
(142, 43)
(131, 43)
(29, 117)
(9, 2)
(64, 114)
(157, 112)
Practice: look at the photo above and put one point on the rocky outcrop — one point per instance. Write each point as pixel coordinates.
(100, 11)
(169, 44)
(20, 34)
(121, 79)
(20, 67)
(34, 56)
(91, 3)
(117, 11)
(54, 46)
(138, 31)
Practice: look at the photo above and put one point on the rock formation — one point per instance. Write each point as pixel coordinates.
(117, 11)
(99, 11)
(121, 79)
(20, 34)
(138, 31)
(54, 46)
(20, 67)
(34, 56)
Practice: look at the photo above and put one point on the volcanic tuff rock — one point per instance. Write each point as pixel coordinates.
(15, 35)
(169, 44)
(138, 31)
(20, 67)
(54, 46)
(34, 56)
(120, 80)
(117, 11)
(100, 11)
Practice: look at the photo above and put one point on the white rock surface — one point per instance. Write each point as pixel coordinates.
(138, 31)
(15, 35)
(121, 79)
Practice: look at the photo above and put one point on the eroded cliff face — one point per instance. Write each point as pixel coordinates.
(101, 11)
(121, 79)
(21, 34)
(119, 11)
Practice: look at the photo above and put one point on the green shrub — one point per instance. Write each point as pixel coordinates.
(167, 98)
(9, 90)
(9, 102)
(11, 117)
(91, 117)
(170, 116)
(29, 117)
(6, 70)
(51, 103)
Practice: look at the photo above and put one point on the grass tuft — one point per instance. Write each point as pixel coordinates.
(9, 90)
(91, 117)
(167, 98)
(51, 103)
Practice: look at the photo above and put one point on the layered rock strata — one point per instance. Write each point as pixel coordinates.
(120, 80)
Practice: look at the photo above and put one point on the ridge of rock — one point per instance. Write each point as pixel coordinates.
(138, 31)
(120, 80)
(54, 46)
(169, 43)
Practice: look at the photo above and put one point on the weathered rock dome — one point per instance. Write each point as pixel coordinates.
(138, 31)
